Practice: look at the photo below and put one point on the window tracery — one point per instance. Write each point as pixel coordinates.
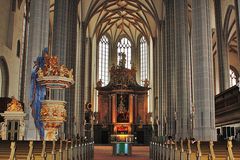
(103, 60)
(124, 46)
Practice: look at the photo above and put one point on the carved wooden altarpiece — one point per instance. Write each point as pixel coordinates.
(123, 102)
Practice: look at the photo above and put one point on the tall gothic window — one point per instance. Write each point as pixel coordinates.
(103, 60)
(233, 77)
(124, 46)
(143, 60)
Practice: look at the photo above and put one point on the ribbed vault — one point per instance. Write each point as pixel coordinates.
(122, 17)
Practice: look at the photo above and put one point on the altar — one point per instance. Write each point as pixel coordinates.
(122, 144)
(122, 107)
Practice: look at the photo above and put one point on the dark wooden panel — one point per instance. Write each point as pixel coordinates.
(227, 107)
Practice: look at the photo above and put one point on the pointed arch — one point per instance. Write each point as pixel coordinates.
(4, 77)
(227, 17)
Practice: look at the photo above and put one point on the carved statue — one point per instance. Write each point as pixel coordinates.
(70, 74)
(121, 109)
(44, 111)
(62, 71)
(99, 83)
(14, 106)
(146, 82)
(238, 84)
(122, 61)
(22, 130)
(113, 66)
(40, 73)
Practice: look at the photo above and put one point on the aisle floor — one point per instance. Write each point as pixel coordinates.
(105, 153)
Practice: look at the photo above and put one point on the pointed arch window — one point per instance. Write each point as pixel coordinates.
(124, 46)
(103, 60)
(143, 60)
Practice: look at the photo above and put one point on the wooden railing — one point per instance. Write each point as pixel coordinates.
(227, 107)
(192, 150)
(51, 150)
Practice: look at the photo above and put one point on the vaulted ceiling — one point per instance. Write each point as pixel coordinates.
(229, 30)
(122, 17)
(132, 18)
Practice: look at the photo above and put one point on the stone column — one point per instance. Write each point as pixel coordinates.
(60, 30)
(204, 129)
(182, 70)
(88, 69)
(221, 49)
(24, 54)
(237, 11)
(71, 51)
(38, 39)
(163, 110)
(80, 80)
(160, 100)
(88, 77)
(171, 68)
(59, 44)
(155, 78)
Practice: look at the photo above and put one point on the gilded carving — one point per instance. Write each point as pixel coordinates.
(53, 112)
(52, 68)
(14, 106)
